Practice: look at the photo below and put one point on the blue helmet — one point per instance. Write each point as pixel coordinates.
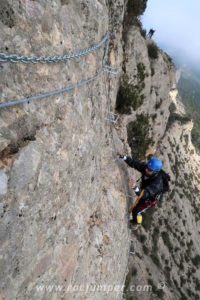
(155, 164)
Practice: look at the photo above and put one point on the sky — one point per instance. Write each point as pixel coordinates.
(177, 25)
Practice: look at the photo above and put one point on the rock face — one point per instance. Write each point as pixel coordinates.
(65, 200)
(165, 251)
(3, 183)
(64, 197)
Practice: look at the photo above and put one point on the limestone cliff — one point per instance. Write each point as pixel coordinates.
(165, 251)
(63, 194)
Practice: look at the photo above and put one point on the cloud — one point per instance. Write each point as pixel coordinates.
(177, 25)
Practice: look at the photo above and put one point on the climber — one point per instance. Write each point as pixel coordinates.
(151, 32)
(154, 182)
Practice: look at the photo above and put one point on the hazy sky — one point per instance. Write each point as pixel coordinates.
(177, 25)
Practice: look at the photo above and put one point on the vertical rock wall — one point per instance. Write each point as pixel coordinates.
(164, 263)
(63, 196)
(63, 211)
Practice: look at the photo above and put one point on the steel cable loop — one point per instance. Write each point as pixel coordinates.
(49, 59)
(68, 89)
(52, 93)
(14, 58)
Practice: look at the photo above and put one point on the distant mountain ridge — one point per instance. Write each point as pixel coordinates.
(189, 89)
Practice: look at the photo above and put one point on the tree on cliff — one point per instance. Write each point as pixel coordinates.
(136, 7)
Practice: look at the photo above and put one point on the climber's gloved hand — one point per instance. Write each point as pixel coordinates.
(137, 191)
(124, 157)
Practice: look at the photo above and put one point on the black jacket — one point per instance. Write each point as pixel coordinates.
(152, 185)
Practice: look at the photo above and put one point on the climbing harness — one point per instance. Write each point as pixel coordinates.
(150, 204)
(13, 58)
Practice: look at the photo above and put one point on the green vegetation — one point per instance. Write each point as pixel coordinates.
(152, 74)
(154, 251)
(141, 74)
(130, 95)
(147, 222)
(155, 290)
(166, 240)
(183, 280)
(151, 283)
(134, 271)
(189, 89)
(196, 135)
(172, 108)
(154, 116)
(158, 104)
(136, 7)
(153, 50)
(64, 2)
(128, 98)
(169, 58)
(174, 117)
(143, 238)
(167, 271)
(196, 260)
(138, 136)
(155, 237)
(146, 250)
(197, 284)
